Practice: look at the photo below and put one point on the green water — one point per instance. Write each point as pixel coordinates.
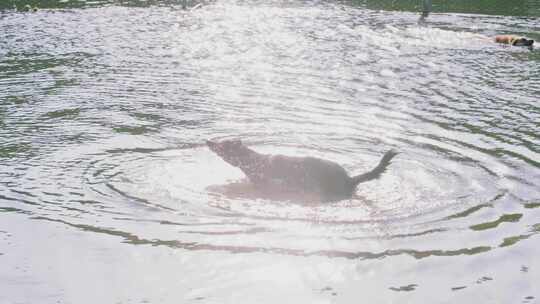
(494, 7)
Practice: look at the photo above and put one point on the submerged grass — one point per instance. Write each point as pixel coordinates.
(506, 218)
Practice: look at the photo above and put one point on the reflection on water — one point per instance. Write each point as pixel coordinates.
(104, 112)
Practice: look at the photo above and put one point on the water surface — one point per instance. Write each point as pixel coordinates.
(104, 175)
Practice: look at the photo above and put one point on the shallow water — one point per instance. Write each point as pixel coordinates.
(104, 112)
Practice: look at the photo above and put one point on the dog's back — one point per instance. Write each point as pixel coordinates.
(309, 174)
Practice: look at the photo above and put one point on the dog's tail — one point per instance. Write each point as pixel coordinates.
(377, 171)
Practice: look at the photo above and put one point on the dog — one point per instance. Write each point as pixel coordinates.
(307, 175)
(513, 40)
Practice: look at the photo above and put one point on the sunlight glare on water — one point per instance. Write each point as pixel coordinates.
(105, 111)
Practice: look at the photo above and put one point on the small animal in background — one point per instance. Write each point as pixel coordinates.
(514, 40)
(310, 175)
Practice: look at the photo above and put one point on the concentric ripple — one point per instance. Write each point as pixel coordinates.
(104, 113)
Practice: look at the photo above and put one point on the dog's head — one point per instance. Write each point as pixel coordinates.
(523, 42)
(232, 151)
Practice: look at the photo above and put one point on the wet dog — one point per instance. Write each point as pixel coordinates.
(514, 40)
(310, 175)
